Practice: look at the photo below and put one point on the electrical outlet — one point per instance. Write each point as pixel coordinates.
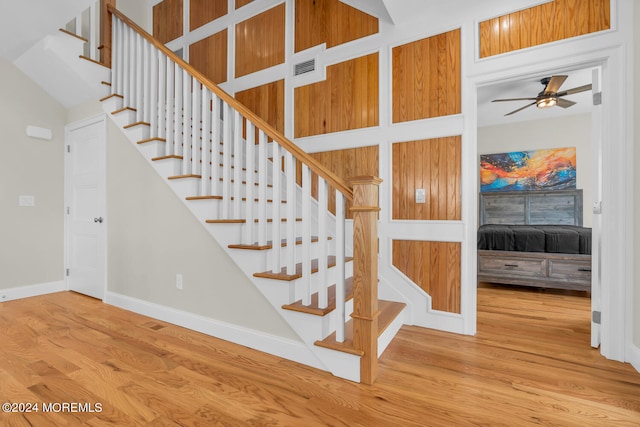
(179, 281)
(421, 195)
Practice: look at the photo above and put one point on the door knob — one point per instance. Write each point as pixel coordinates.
(97, 219)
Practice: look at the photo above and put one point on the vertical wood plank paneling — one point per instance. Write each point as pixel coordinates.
(435, 267)
(347, 99)
(209, 56)
(267, 101)
(167, 20)
(240, 3)
(346, 164)
(204, 11)
(260, 41)
(330, 21)
(426, 78)
(434, 165)
(541, 24)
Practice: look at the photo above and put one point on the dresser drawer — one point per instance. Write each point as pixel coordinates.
(517, 266)
(570, 270)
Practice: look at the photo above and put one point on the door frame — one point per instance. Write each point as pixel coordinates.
(617, 208)
(99, 118)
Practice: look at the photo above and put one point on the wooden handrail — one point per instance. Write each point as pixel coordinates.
(298, 153)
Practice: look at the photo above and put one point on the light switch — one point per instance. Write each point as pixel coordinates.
(420, 195)
(26, 201)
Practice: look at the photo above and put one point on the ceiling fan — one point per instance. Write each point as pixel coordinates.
(549, 96)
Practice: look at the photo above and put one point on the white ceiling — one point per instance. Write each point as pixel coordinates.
(492, 113)
(25, 22)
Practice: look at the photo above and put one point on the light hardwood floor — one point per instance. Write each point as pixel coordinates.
(529, 364)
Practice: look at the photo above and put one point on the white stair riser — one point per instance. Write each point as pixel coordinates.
(137, 133)
(123, 117)
(151, 149)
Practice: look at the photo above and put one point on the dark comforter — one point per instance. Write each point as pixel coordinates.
(567, 239)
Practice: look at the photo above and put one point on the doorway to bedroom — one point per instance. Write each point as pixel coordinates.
(527, 148)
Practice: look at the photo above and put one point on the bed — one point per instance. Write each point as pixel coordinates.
(534, 238)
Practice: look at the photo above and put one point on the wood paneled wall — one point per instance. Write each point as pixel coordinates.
(426, 78)
(209, 56)
(432, 164)
(167, 20)
(260, 41)
(545, 23)
(346, 164)
(347, 99)
(203, 11)
(330, 21)
(435, 267)
(240, 3)
(267, 101)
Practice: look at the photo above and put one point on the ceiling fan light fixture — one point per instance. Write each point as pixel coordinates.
(546, 102)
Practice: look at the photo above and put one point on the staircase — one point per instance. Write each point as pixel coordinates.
(278, 213)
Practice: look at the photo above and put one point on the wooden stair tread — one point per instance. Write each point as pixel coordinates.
(113, 95)
(155, 138)
(94, 61)
(171, 156)
(123, 109)
(389, 310)
(136, 124)
(62, 30)
(185, 176)
(225, 221)
(282, 275)
(314, 308)
(204, 198)
(269, 245)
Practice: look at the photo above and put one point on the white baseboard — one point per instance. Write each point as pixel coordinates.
(286, 348)
(634, 356)
(27, 291)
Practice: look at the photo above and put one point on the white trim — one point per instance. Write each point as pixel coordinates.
(20, 292)
(286, 348)
(633, 356)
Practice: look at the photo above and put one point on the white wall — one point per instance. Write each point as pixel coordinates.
(573, 131)
(32, 237)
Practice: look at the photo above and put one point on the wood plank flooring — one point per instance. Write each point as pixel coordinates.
(529, 364)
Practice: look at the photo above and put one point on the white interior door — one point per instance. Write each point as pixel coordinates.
(596, 283)
(85, 183)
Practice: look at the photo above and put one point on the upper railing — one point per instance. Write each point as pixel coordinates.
(239, 158)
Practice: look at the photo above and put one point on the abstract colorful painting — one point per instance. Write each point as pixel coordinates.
(550, 169)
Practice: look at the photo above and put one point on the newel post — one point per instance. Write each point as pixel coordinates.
(105, 31)
(365, 273)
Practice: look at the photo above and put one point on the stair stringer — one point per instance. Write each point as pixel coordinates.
(309, 328)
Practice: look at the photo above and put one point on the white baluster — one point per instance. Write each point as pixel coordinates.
(187, 127)
(340, 267)
(216, 137)
(94, 28)
(177, 112)
(237, 163)
(115, 56)
(275, 208)
(161, 99)
(170, 107)
(152, 105)
(263, 173)
(322, 247)
(250, 187)
(306, 234)
(205, 169)
(290, 174)
(196, 141)
(227, 146)
(138, 73)
(146, 84)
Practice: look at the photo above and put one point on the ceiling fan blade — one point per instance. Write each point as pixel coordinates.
(520, 109)
(554, 84)
(564, 103)
(514, 99)
(575, 90)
